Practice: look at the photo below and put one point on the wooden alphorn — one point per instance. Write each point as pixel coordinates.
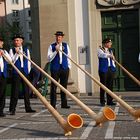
(132, 111)
(127, 72)
(73, 121)
(106, 114)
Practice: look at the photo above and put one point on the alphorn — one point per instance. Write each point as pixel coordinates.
(125, 70)
(73, 121)
(105, 115)
(132, 111)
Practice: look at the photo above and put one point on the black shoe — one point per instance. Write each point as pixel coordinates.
(67, 107)
(2, 115)
(111, 103)
(12, 112)
(30, 111)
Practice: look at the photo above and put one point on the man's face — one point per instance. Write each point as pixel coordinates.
(59, 39)
(108, 45)
(18, 42)
(1, 44)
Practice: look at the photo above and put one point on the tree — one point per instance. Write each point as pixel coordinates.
(7, 31)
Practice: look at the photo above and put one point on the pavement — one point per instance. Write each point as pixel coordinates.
(43, 126)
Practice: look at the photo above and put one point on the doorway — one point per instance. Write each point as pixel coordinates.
(123, 29)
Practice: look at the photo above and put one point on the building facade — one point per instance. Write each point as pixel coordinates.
(85, 23)
(2, 12)
(18, 14)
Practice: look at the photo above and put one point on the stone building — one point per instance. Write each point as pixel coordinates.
(2, 12)
(85, 23)
(18, 14)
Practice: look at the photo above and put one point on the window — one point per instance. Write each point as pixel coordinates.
(30, 36)
(16, 24)
(29, 13)
(29, 25)
(15, 1)
(15, 13)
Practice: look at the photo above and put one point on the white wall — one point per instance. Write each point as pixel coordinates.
(82, 39)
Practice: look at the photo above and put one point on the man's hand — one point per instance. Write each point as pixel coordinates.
(1, 52)
(57, 47)
(111, 56)
(17, 49)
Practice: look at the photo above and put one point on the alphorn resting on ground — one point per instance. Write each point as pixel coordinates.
(106, 114)
(73, 121)
(132, 111)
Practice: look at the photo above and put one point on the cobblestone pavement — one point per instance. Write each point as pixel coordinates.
(42, 125)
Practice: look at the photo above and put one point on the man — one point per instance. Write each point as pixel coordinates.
(107, 70)
(59, 67)
(24, 66)
(3, 76)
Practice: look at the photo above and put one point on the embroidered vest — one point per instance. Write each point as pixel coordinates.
(55, 65)
(103, 64)
(5, 69)
(18, 62)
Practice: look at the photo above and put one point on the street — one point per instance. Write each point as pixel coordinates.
(42, 126)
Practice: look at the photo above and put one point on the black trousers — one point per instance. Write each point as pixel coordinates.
(2, 93)
(16, 80)
(34, 78)
(107, 80)
(61, 75)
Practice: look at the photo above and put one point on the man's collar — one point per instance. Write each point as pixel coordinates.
(59, 43)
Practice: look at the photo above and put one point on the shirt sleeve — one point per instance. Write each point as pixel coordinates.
(14, 57)
(8, 56)
(139, 58)
(29, 63)
(102, 54)
(51, 54)
(69, 55)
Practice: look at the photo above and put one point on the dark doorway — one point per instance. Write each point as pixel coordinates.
(123, 28)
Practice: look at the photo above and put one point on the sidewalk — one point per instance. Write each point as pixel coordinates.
(43, 126)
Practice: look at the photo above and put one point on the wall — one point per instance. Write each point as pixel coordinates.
(53, 17)
(95, 40)
(79, 37)
(80, 20)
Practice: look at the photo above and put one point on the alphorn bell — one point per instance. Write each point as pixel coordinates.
(73, 121)
(125, 70)
(106, 114)
(132, 111)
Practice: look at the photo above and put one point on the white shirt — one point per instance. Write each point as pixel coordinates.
(29, 63)
(16, 56)
(139, 58)
(51, 54)
(1, 64)
(21, 56)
